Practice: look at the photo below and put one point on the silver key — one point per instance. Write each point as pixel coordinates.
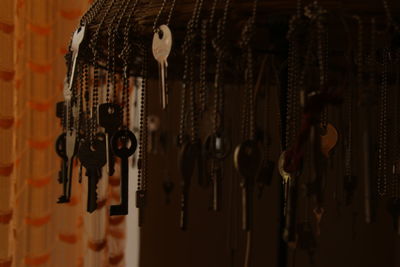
(162, 43)
(71, 129)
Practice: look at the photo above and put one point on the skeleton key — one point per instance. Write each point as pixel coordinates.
(60, 149)
(187, 162)
(247, 160)
(162, 43)
(119, 143)
(93, 158)
(110, 118)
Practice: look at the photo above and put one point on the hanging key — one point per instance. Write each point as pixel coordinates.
(218, 148)
(93, 158)
(247, 160)
(70, 144)
(290, 200)
(187, 162)
(162, 43)
(286, 177)
(216, 185)
(71, 134)
(124, 144)
(61, 152)
(110, 118)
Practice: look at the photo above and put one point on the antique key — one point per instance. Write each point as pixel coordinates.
(110, 118)
(247, 160)
(186, 165)
(60, 149)
(93, 158)
(162, 43)
(119, 143)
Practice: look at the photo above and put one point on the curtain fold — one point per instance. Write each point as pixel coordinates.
(35, 231)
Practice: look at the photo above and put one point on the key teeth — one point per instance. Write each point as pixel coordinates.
(92, 202)
(63, 199)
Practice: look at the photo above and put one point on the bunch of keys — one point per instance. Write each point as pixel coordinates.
(71, 132)
(162, 43)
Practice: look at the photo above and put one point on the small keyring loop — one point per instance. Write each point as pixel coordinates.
(124, 151)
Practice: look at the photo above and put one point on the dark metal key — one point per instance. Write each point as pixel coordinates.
(123, 144)
(110, 118)
(60, 112)
(247, 160)
(61, 152)
(187, 162)
(70, 153)
(93, 158)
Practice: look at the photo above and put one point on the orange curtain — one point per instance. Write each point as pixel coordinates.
(35, 231)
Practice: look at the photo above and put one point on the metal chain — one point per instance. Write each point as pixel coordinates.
(92, 12)
(382, 139)
(143, 128)
(395, 185)
(95, 94)
(170, 12)
(112, 29)
(155, 26)
(203, 67)
(86, 74)
(188, 75)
